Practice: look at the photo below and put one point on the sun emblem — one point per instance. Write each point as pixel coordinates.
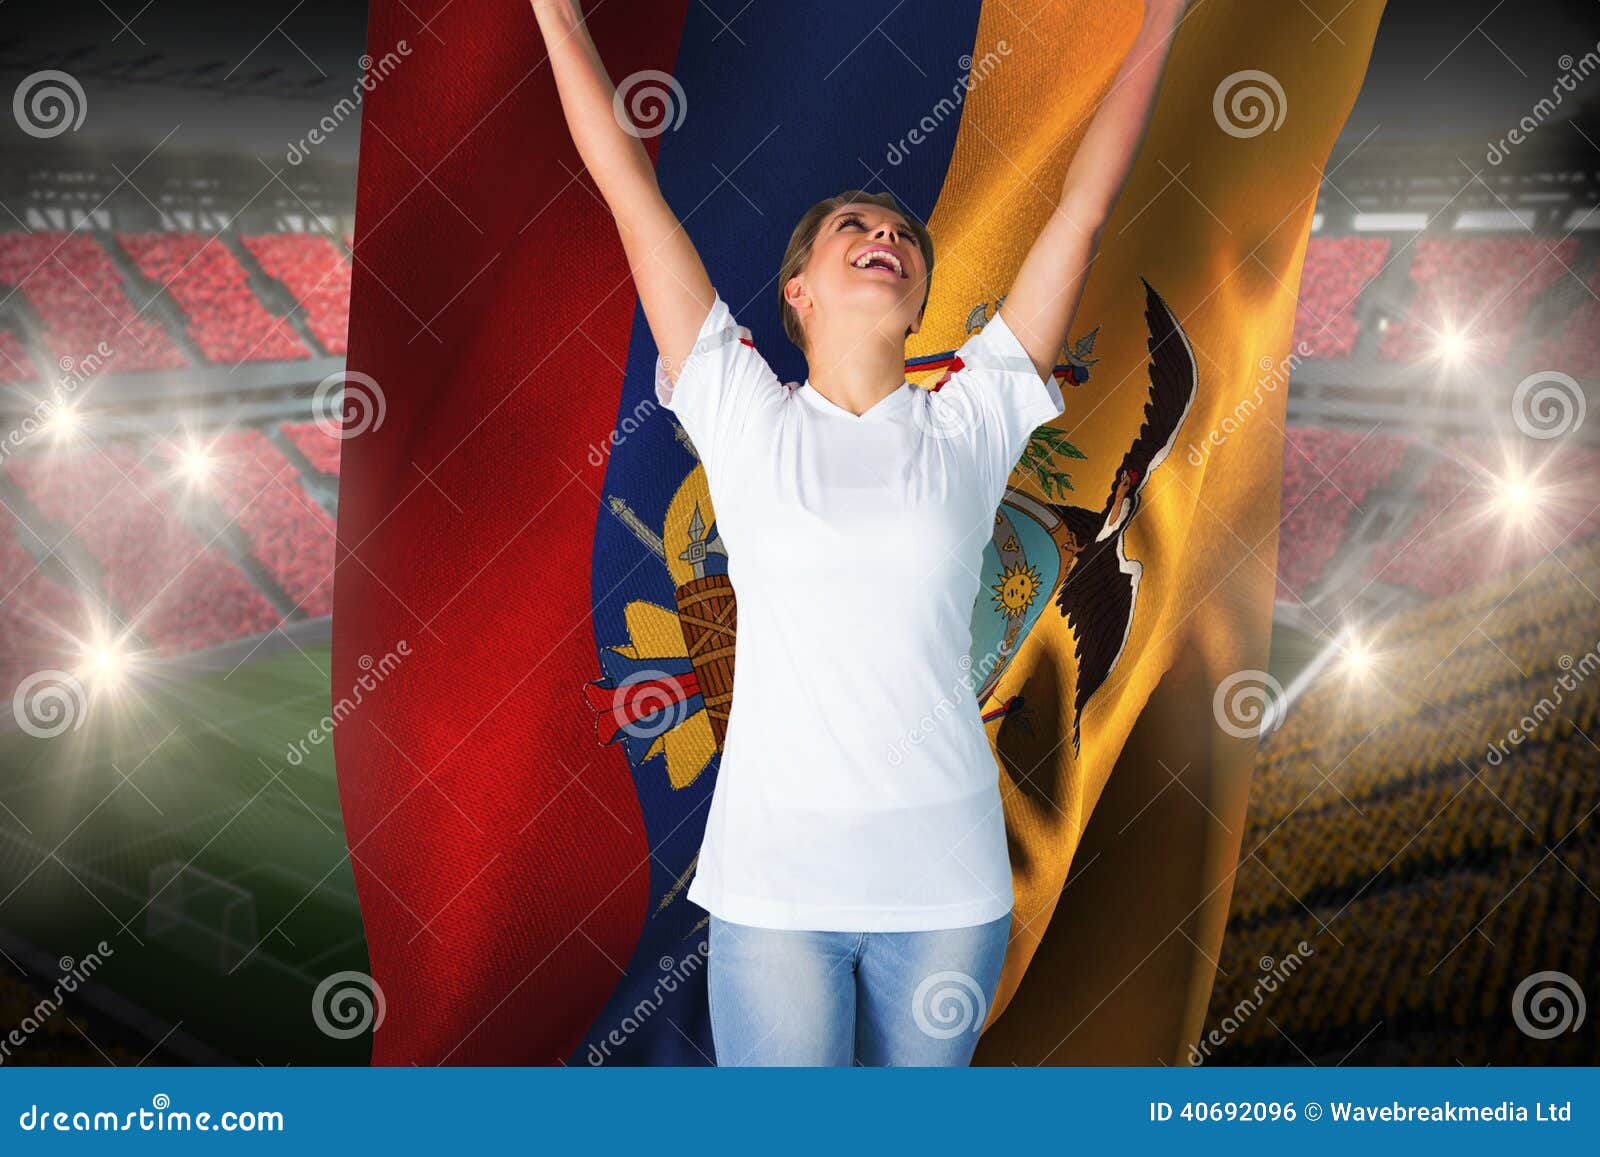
(1014, 593)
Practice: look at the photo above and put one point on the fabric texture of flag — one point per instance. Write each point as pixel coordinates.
(525, 798)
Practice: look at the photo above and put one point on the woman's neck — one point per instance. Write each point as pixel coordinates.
(856, 371)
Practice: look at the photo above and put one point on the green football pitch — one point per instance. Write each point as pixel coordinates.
(172, 825)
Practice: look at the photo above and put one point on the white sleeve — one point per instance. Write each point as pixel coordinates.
(995, 398)
(724, 390)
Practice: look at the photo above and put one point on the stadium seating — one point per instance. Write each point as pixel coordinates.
(1575, 348)
(225, 320)
(1456, 540)
(320, 448)
(1452, 669)
(1439, 955)
(15, 364)
(289, 534)
(1392, 823)
(40, 622)
(77, 292)
(1336, 270)
(1326, 477)
(61, 1037)
(1482, 285)
(175, 591)
(315, 274)
(1427, 875)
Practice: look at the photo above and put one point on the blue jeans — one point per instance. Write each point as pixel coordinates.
(781, 997)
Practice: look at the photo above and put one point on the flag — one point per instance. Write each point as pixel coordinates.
(525, 794)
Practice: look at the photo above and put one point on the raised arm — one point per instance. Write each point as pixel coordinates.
(1049, 285)
(673, 285)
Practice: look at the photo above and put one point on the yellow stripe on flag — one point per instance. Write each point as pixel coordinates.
(1216, 215)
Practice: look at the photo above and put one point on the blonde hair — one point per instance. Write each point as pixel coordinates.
(805, 234)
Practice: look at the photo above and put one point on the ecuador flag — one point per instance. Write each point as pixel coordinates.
(525, 796)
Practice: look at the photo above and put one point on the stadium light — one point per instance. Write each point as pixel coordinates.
(1452, 346)
(1355, 658)
(107, 664)
(64, 422)
(195, 463)
(1517, 498)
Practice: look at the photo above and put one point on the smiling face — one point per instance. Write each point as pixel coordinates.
(866, 260)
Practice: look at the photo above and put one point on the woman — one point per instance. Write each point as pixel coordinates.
(854, 861)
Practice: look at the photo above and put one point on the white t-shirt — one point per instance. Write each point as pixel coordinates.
(857, 790)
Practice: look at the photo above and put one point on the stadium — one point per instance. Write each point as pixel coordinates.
(1421, 817)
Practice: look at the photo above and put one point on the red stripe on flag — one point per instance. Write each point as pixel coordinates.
(499, 853)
